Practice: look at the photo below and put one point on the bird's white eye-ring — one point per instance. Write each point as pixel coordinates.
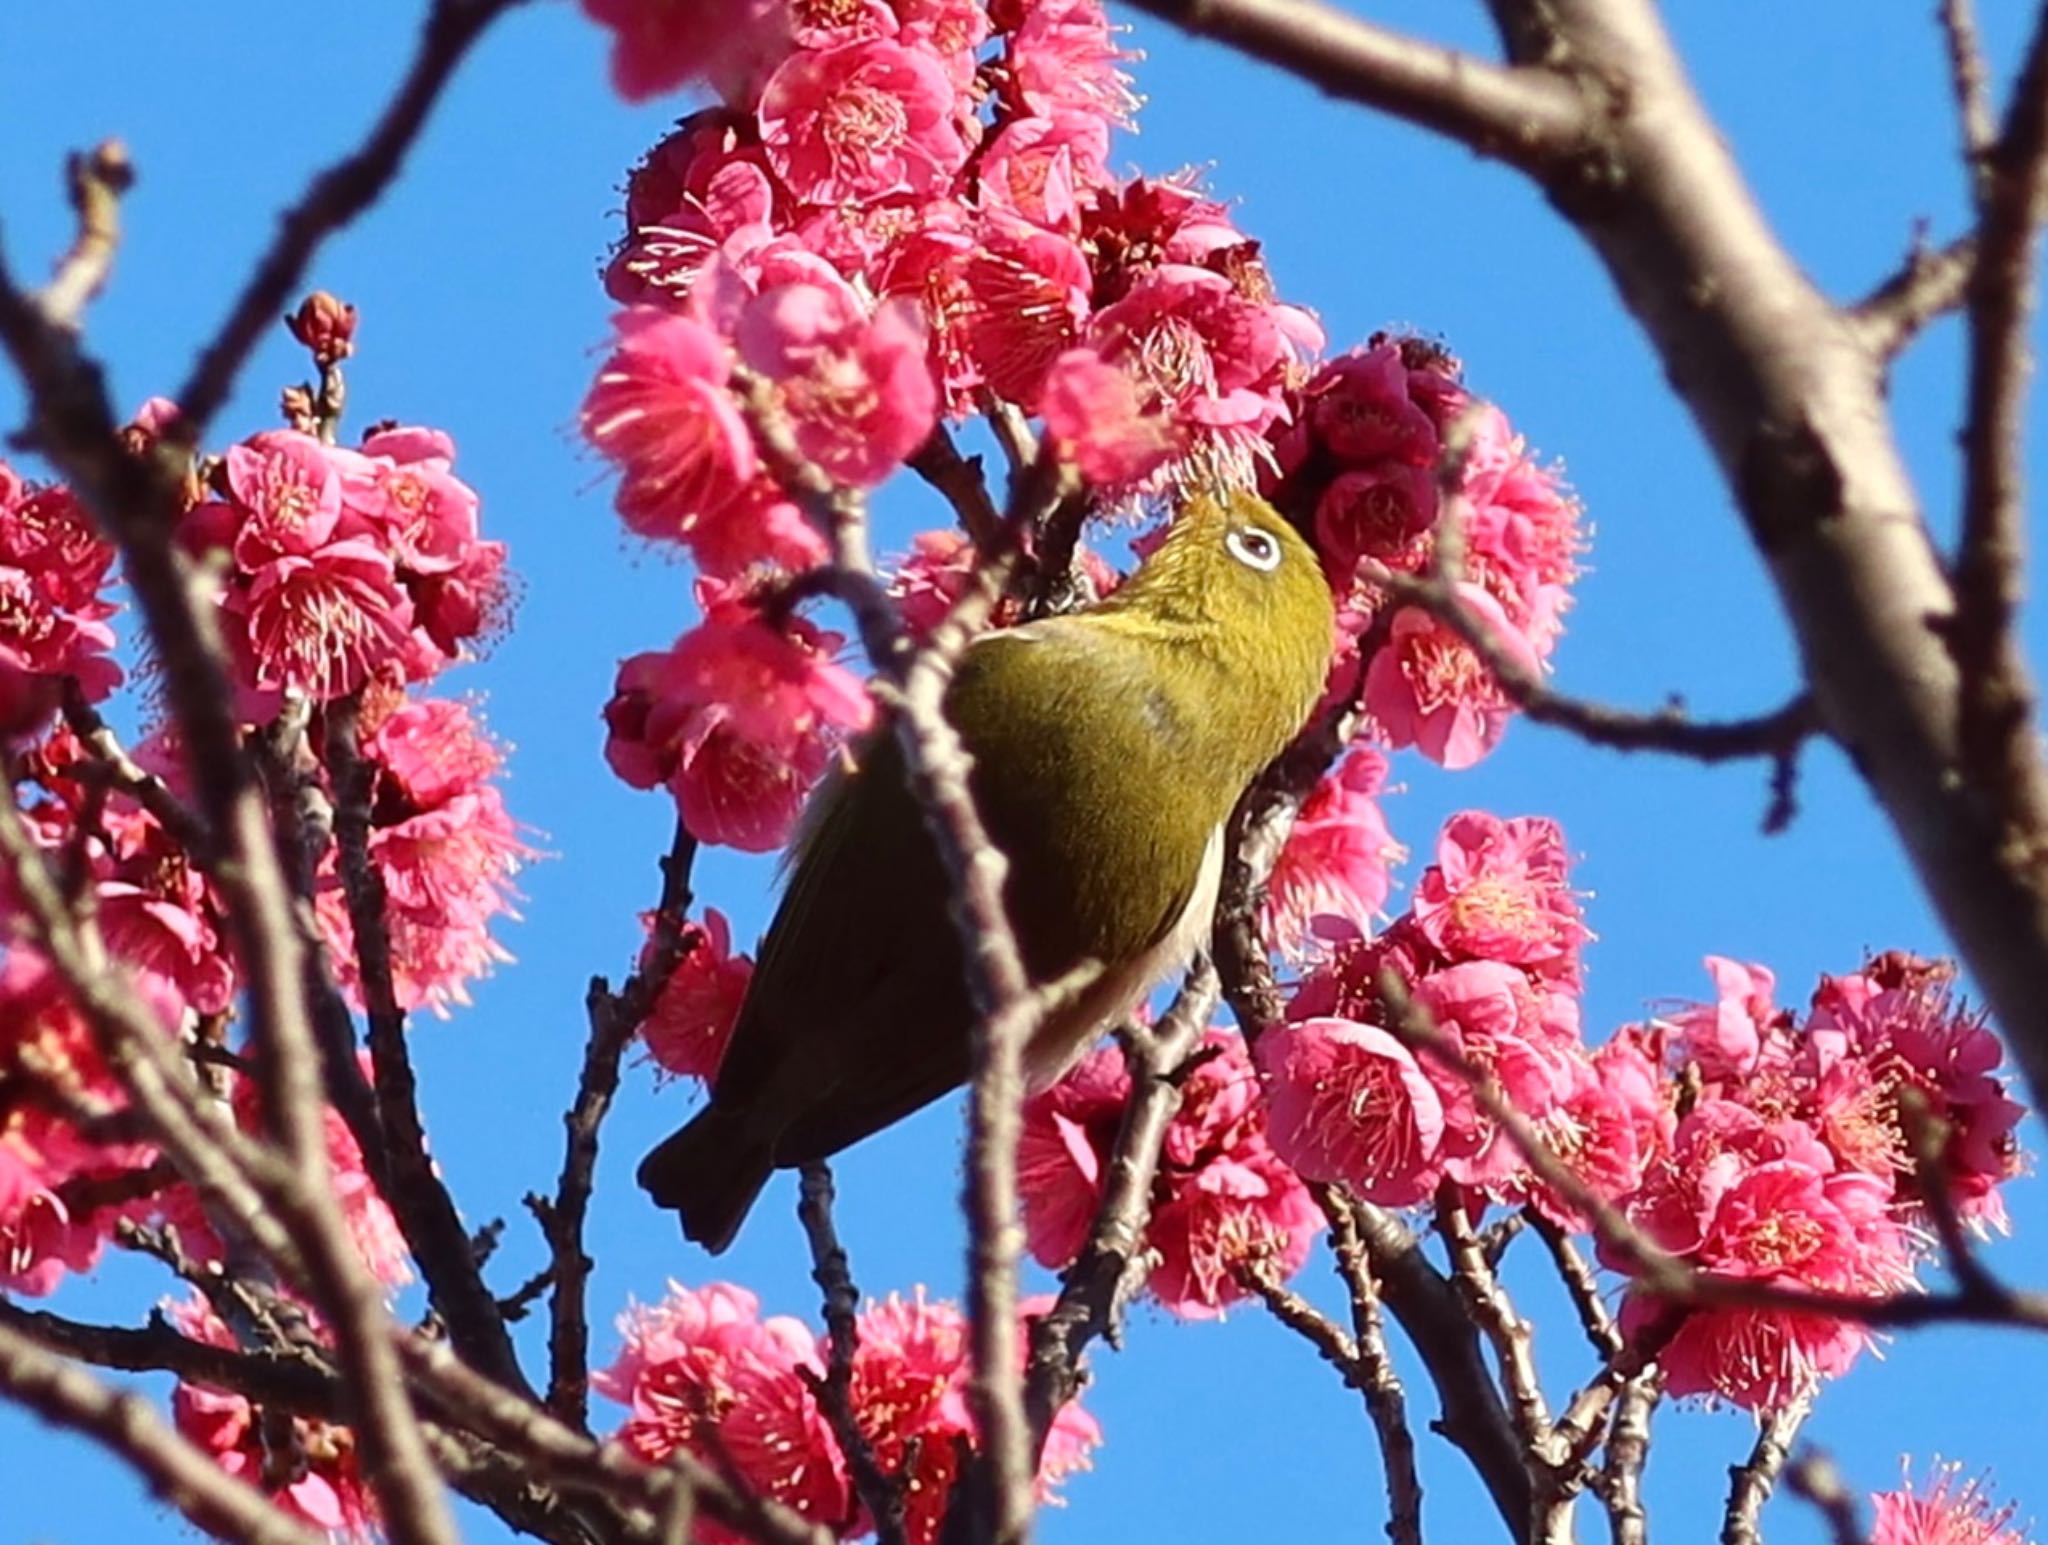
(1254, 548)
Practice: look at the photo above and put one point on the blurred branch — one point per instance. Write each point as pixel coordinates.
(614, 1019)
(1997, 692)
(1814, 1477)
(96, 180)
(1932, 283)
(1969, 82)
(124, 1424)
(333, 199)
(965, 486)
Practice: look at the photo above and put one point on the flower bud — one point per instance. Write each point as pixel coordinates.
(326, 325)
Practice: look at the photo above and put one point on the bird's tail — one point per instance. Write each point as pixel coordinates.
(710, 1172)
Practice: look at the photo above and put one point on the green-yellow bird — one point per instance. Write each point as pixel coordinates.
(1109, 748)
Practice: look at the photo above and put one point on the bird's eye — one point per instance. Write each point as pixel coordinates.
(1254, 548)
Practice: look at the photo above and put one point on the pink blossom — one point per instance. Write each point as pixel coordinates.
(1063, 55)
(858, 390)
(1901, 1021)
(1606, 1131)
(761, 533)
(326, 1491)
(290, 491)
(1520, 1037)
(1361, 408)
(324, 622)
(402, 482)
(659, 45)
(1500, 890)
(1726, 1038)
(1945, 1510)
(861, 121)
(1426, 688)
(53, 567)
(1228, 1200)
(1349, 1103)
(703, 184)
(1102, 418)
(739, 771)
(446, 849)
(953, 30)
(909, 1397)
(1028, 298)
(828, 23)
(1069, 1131)
(1036, 169)
(661, 413)
(1382, 513)
(686, 1030)
(1333, 870)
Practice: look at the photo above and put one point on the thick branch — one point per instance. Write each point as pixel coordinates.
(1518, 115)
(1751, 1483)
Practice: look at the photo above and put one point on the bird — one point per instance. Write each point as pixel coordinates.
(1109, 746)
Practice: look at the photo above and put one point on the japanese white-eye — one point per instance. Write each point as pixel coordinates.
(1109, 747)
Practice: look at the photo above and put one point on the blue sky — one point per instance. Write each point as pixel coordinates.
(477, 282)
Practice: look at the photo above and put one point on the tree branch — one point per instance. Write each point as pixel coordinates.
(1750, 1483)
(614, 1018)
(1932, 283)
(1522, 116)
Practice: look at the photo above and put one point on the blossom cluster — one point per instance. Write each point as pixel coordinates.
(1383, 448)
(1794, 1162)
(702, 1372)
(1224, 1203)
(54, 569)
(1946, 1510)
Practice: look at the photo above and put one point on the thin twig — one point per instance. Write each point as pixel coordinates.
(614, 1018)
(1751, 1483)
(1510, 1335)
(1813, 1476)
(1970, 83)
(96, 180)
(880, 1492)
(1577, 1276)
(1931, 284)
(112, 762)
(417, 1192)
(1386, 1403)
(961, 479)
(1628, 1450)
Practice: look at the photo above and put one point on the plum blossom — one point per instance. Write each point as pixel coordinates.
(686, 1031)
(1062, 54)
(739, 718)
(1944, 1510)
(47, 1230)
(446, 848)
(1427, 688)
(1101, 417)
(53, 567)
(659, 410)
(1037, 169)
(1499, 890)
(909, 1394)
(858, 389)
(659, 45)
(1332, 874)
(1348, 1102)
(1223, 1199)
(861, 121)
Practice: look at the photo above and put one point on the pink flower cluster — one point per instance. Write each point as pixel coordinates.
(1361, 463)
(1332, 877)
(444, 846)
(1793, 1163)
(53, 1181)
(686, 1031)
(1222, 1201)
(344, 567)
(1489, 950)
(317, 1480)
(53, 615)
(738, 718)
(704, 1373)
